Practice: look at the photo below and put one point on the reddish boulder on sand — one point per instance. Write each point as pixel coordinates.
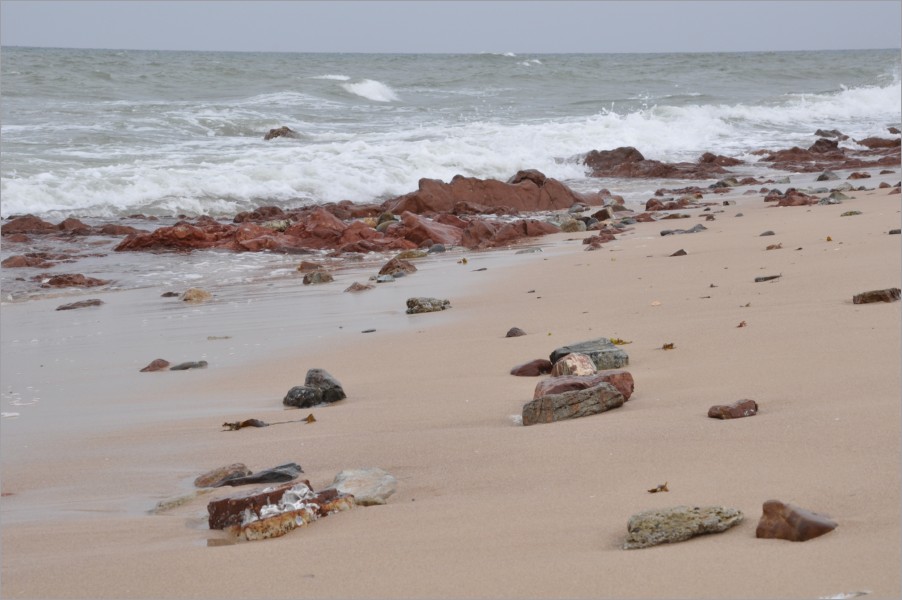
(788, 522)
(533, 368)
(419, 229)
(876, 142)
(622, 380)
(740, 408)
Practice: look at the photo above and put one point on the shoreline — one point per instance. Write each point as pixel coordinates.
(485, 507)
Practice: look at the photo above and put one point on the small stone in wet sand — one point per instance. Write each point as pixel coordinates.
(887, 295)
(80, 304)
(679, 252)
(767, 278)
(534, 368)
(740, 408)
(515, 332)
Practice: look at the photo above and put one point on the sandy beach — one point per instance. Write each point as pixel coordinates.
(485, 507)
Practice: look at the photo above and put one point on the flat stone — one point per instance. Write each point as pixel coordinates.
(369, 486)
(572, 405)
(294, 510)
(211, 478)
(887, 295)
(789, 522)
(622, 380)
(201, 364)
(604, 353)
(425, 305)
(80, 304)
(280, 474)
(533, 368)
(678, 524)
(739, 409)
(573, 364)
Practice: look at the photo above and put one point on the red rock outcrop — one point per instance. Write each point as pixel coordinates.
(628, 162)
(27, 224)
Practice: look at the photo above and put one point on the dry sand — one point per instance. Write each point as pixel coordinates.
(485, 508)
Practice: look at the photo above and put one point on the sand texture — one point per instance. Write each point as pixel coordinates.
(485, 507)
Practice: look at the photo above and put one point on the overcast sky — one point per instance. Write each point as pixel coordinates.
(454, 27)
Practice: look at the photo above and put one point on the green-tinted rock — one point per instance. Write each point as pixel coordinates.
(678, 524)
(602, 351)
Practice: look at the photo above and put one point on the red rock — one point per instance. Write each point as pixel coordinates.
(789, 522)
(158, 364)
(717, 159)
(283, 131)
(229, 511)
(73, 225)
(397, 264)
(19, 261)
(740, 408)
(876, 142)
(859, 175)
(540, 366)
(629, 162)
(27, 224)
(181, 236)
(264, 213)
(77, 280)
(113, 229)
(622, 380)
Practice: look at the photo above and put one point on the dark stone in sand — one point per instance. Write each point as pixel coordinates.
(286, 472)
(514, 332)
(329, 387)
(303, 396)
(318, 277)
(887, 295)
(80, 304)
(201, 364)
(534, 368)
(789, 522)
(283, 131)
(679, 252)
(895, 231)
(170, 294)
(767, 278)
(425, 305)
(603, 352)
(694, 229)
(766, 233)
(740, 408)
(358, 287)
(156, 365)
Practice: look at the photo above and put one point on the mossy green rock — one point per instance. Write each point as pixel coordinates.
(678, 524)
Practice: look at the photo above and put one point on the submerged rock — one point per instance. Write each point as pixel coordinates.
(789, 522)
(156, 365)
(214, 477)
(201, 364)
(80, 304)
(279, 474)
(678, 524)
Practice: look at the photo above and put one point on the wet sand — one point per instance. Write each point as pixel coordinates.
(485, 507)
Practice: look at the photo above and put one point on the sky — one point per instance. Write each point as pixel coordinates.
(462, 26)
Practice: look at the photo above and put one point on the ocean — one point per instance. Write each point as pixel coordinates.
(109, 133)
(105, 134)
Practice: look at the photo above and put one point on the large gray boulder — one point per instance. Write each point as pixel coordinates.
(603, 352)
(572, 404)
(678, 524)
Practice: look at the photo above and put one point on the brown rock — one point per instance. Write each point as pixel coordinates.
(77, 280)
(397, 265)
(283, 131)
(195, 295)
(859, 175)
(534, 368)
(740, 408)
(622, 380)
(358, 287)
(876, 142)
(823, 145)
(789, 522)
(316, 277)
(229, 511)
(19, 261)
(211, 478)
(887, 295)
(156, 365)
(572, 405)
(629, 162)
(573, 364)
(418, 229)
(27, 224)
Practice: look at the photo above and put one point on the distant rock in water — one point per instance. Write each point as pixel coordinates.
(80, 304)
(156, 365)
(283, 131)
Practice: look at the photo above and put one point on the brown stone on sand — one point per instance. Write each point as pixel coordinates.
(229, 511)
(789, 522)
(740, 408)
(358, 287)
(195, 295)
(887, 295)
(397, 265)
(211, 478)
(622, 380)
(156, 365)
(534, 368)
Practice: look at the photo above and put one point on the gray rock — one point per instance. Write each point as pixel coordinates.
(369, 486)
(318, 277)
(782, 180)
(321, 380)
(384, 279)
(425, 305)
(827, 176)
(678, 524)
(303, 396)
(514, 332)
(528, 250)
(436, 248)
(201, 364)
(695, 229)
(829, 200)
(572, 404)
(602, 351)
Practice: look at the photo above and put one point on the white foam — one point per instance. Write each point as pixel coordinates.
(371, 90)
(332, 77)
